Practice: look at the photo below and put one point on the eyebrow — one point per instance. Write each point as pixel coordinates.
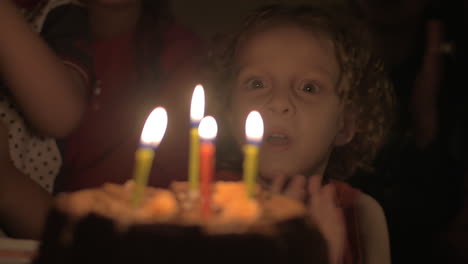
(239, 68)
(322, 70)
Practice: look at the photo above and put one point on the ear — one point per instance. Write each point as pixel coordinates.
(347, 128)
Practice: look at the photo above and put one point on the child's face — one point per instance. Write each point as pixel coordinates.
(291, 77)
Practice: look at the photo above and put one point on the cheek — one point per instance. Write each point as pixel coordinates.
(240, 108)
(236, 119)
(321, 126)
(316, 143)
(249, 99)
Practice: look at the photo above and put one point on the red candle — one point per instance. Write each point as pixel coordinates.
(207, 166)
(207, 130)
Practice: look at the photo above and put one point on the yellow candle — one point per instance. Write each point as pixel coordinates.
(151, 136)
(197, 110)
(254, 134)
(250, 167)
(144, 161)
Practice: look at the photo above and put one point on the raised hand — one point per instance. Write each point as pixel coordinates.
(293, 187)
(322, 208)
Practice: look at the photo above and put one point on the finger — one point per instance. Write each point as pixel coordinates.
(100, 204)
(296, 189)
(106, 205)
(115, 191)
(329, 194)
(278, 183)
(314, 193)
(314, 185)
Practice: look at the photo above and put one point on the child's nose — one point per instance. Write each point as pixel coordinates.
(280, 103)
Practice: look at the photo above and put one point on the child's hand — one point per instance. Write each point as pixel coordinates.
(295, 189)
(327, 216)
(321, 206)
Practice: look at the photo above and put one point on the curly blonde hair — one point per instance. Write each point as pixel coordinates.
(368, 94)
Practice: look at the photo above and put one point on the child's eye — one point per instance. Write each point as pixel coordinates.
(310, 88)
(255, 84)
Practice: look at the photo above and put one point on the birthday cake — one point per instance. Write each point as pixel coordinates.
(170, 226)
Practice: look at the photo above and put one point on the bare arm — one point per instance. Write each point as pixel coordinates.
(373, 230)
(23, 203)
(52, 95)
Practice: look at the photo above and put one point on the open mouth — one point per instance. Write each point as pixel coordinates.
(277, 139)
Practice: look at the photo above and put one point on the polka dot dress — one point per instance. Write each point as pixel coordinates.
(35, 156)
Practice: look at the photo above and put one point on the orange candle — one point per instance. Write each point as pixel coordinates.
(208, 130)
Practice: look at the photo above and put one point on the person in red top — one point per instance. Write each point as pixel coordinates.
(141, 59)
(326, 105)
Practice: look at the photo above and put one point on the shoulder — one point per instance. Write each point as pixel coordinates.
(373, 231)
(368, 206)
(370, 213)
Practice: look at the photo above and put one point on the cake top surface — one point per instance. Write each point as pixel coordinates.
(231, 210)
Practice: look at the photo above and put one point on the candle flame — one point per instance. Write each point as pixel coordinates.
(208, 128)
(254, 127)
(197, 108)
(155, 127)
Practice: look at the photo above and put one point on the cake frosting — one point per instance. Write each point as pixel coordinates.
(104, 224)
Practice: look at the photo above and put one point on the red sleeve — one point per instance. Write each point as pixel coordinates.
(347, 199)
(345, 194)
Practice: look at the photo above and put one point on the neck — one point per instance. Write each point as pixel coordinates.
(108, 21)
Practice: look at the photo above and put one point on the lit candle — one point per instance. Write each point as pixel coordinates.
(197, 110)
(254, 134)
(151, 136)
(208, 130)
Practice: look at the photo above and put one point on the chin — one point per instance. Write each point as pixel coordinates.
(271, 172)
